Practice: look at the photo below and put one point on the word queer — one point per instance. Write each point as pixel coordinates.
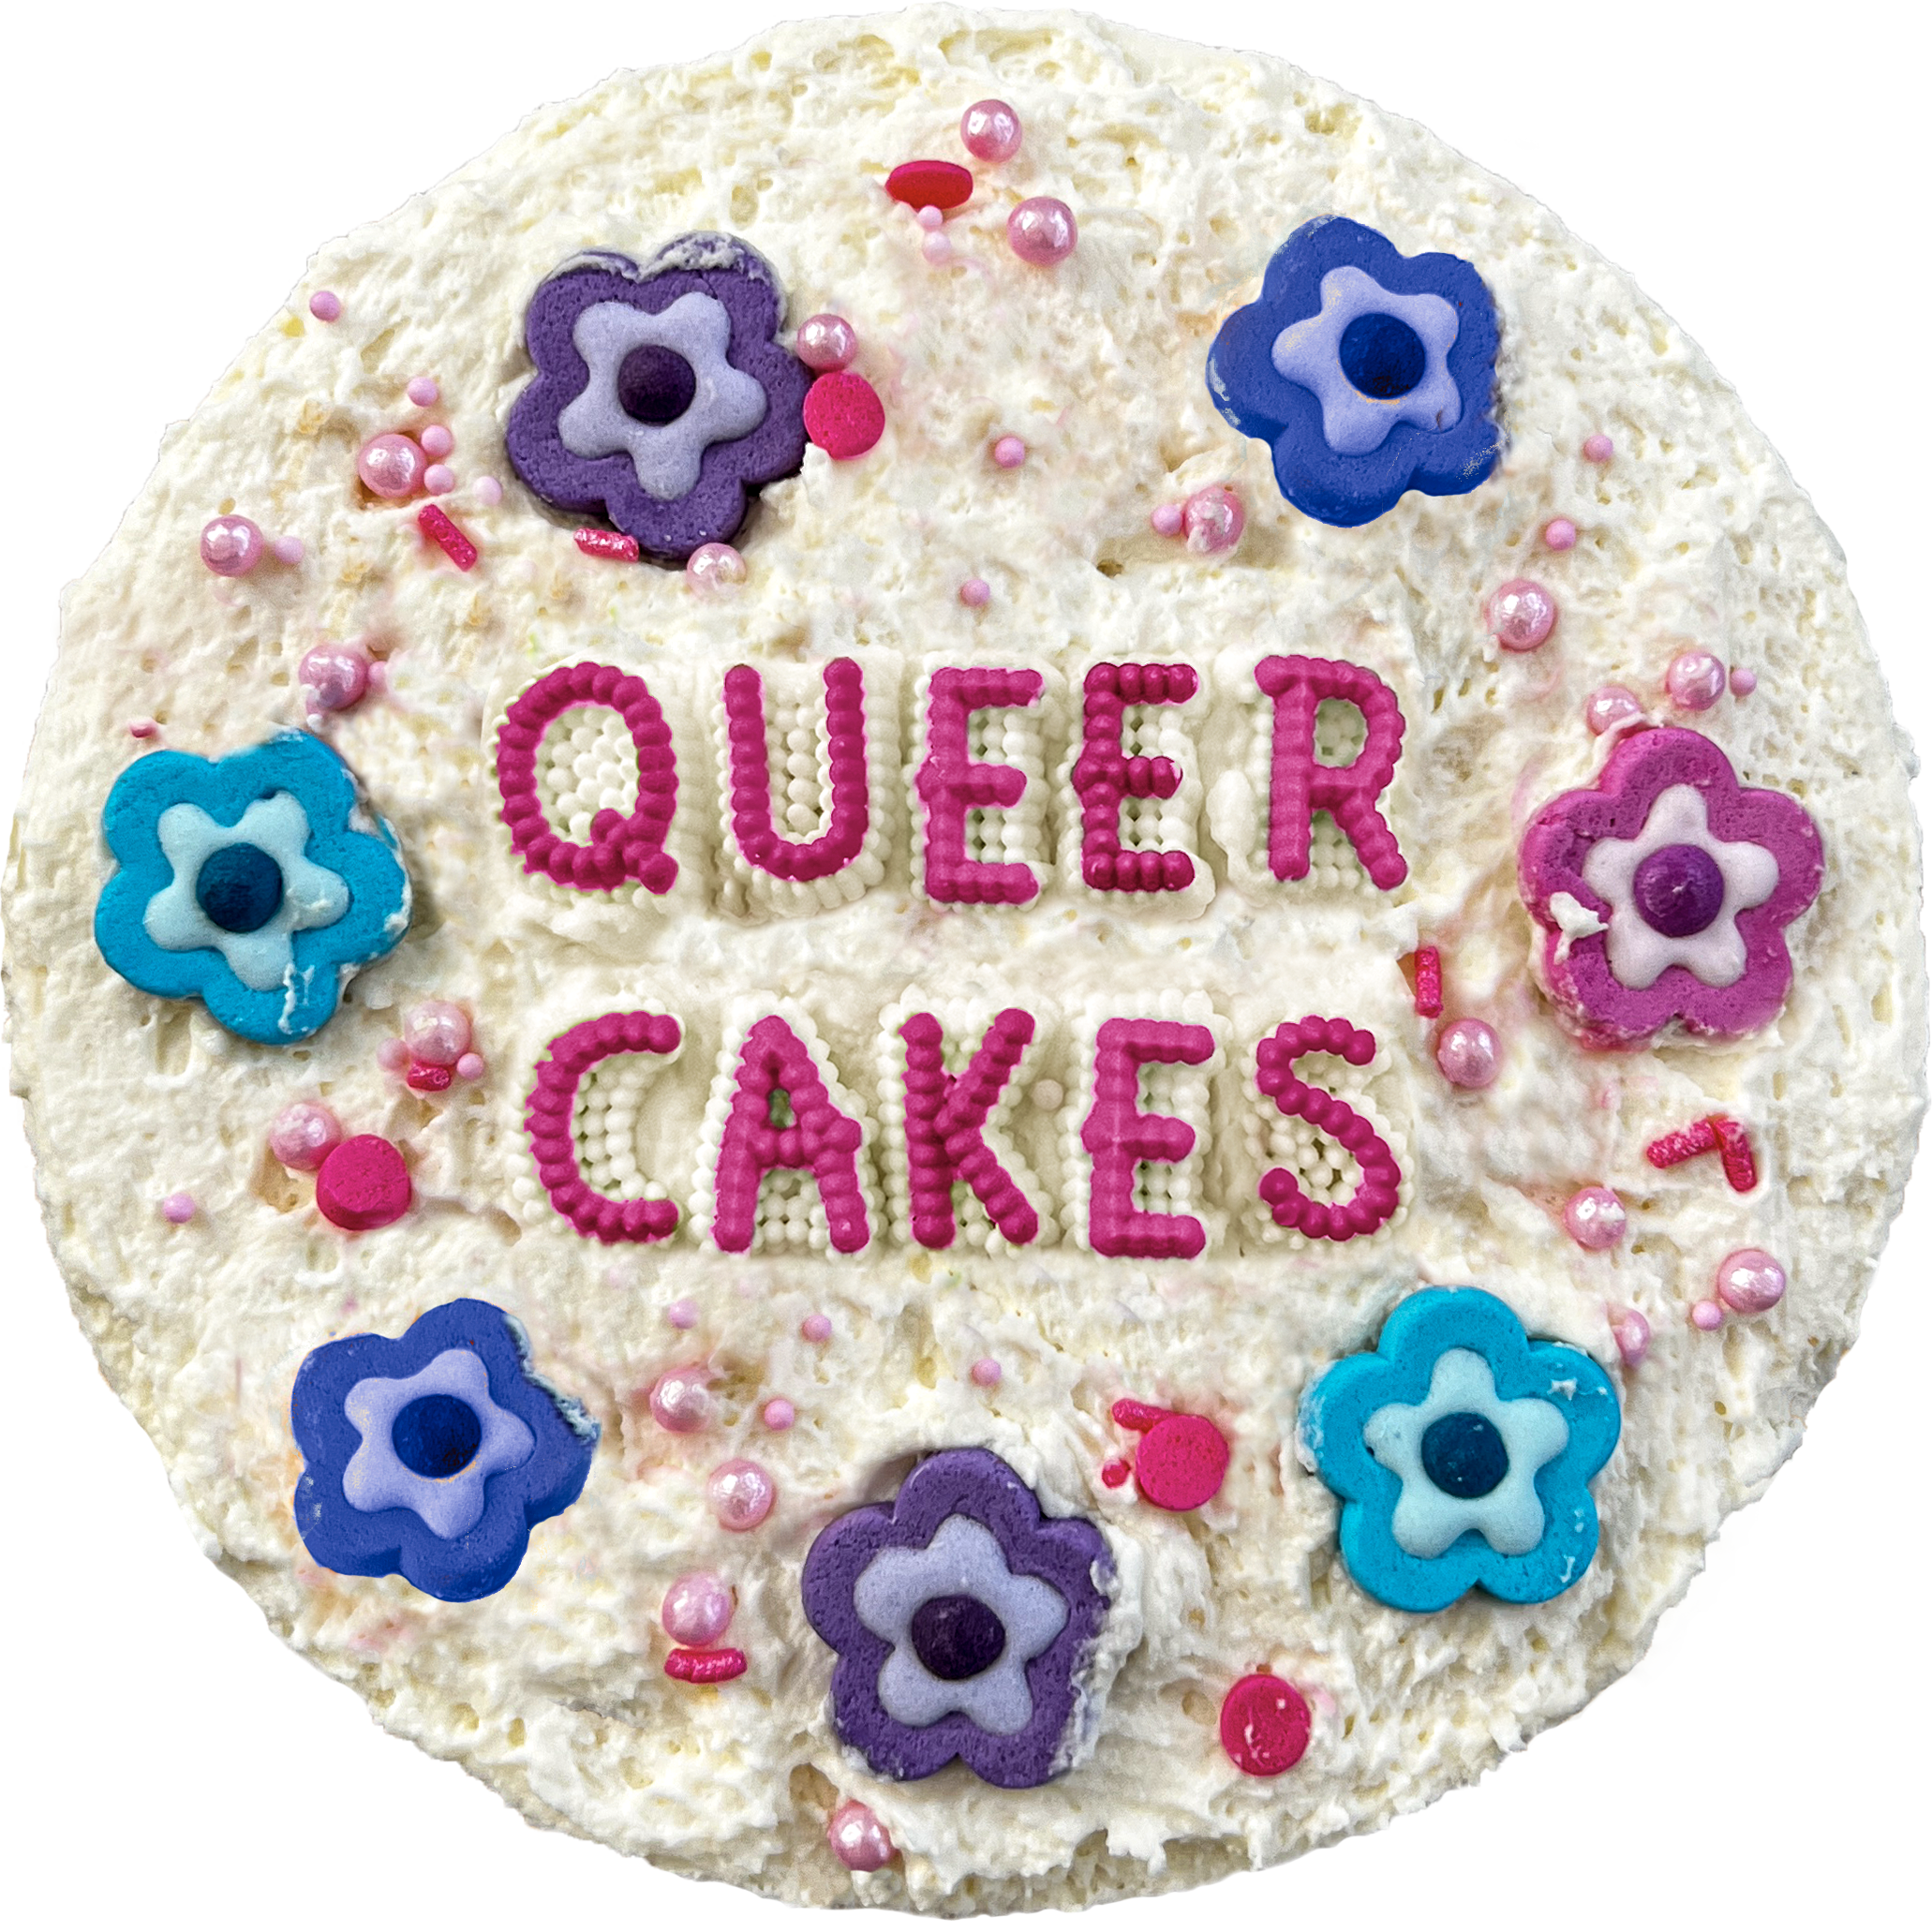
(777, 1105)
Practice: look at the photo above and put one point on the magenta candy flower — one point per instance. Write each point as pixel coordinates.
(1663, 892)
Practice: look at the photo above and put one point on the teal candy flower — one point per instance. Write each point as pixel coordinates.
(257, 883)
(1462, 1452)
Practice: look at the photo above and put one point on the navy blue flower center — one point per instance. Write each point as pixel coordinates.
(1462, 1454)
(1383, 357)
(957, 1636)
(239, 887)
(436, 1435)
(1679, 890)
(655, 384)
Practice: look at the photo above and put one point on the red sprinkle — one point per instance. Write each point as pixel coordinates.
(426, 1078)
(362, 1184)
(1718, 1134)
(704, 1666)
(843, 415)
(456, 547)
(929, 184)
(1670, 1150)
(613, 544)
(1114, 1473)
(1265, 1725)
(1428, 982)
(1140, 1416)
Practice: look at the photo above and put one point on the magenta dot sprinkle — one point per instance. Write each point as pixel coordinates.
(1598, 448)
(780, 1414)
(974, 592)
(488, 491)
(288, 550)
(1009, 452)
(1706, 1315)
(825, 342)
(325, 306)
(682, 1314)
(1167, 519)
(1595, 1218)
(1613, 709)
(741, 1492)
(1043, 231)
(471, 1066)
(1521, 614)
(816, 1328)
(303, 1136)
(1468, 1053)
(1559, 534)
(231, 546)
(986, 1371)
(436, 440)
(990, 131)
(425, 391)
(1695, 680)
(1744, 681)
(178, 1207)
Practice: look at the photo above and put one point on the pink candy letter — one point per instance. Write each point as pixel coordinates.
(1104, 776)
(1302, 786)
(949, 783)
(751, 776)
(1374, 1197)
(945, 1115)
(1117, 1137)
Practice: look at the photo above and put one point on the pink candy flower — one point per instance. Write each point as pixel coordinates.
(1663, 892)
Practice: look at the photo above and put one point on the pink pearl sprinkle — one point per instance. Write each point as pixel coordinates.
(697, 1608)
(439, 478)
(1469, 1053)
(816, 1328)
(1009, 452)
(974, 592)
(986, 1371)
(937, 250)
(1706, 1315)
(1559, 534)
(391, 465)
(325, 306)
(1751, 1281)
(471, 1066)
(437, 1031)
(1743, 681)
(334, 675)
(930, 219)
(423, 390)
(1168, 519)
(990, 131)
(680, 1401)
(1213, 519)
(1595, 1218)
(436, 440)
(682, 1314)
(742, 1493)
(288, 550)
(715, 568)
(1632, 1334)
(141, 727)
(1598, 448)
(392, 1056)
(825, 342)
(1521, 614)
(1043, 231)
(1695, 680)
(780, 1414)
(302, 1134)
(488, 491)
(178, 1207)
(231, 546)
(860, 1842)
(1613, 709)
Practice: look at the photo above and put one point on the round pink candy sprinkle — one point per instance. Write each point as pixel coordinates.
(713, 568)
(1168, 519)
(471, 1066)
(1559, 534)
(742, 1493)
(974, 592)
(1695, 680)
(682, 1314)
(423, 390)
(930, 219)
(825, 342)
(439, 478)
(990, 131)
(1469, 1053)
(1598, 448)
(1612, 708)
(1751, 1281)
(1043, 231)
(391, 465)
(1706, 1315)
(325, 306)
(860, 1842)
(141, 727)
(780, 1414)
(1213, 519)
(437, 1031)
(231, 546)
(680, 1401)
(392, 1056)
(1009, 452)
(816, 1328)
(697, 1608)
(1595, 1218)
(178, 1207)
(1632, 1334)
(986, 1372)
(937, 250)
(1521, 614)
(302, 1134)
(488, 491)
(1743, 681)
(288, 550)
(334, 675)
(436, 440)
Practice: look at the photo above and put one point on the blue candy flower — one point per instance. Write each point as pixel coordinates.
(1462, 1451)
(257, 883)
(1368, 372)
(433, 1456)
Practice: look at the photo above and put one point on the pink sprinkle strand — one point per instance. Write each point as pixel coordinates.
(990, 131)
(780, 1414)
(1695, 680)
(1595, 1218)
(1213, 520)
(1559, 534)
(1521, 614)
(231, 546)
(1469, 1053)
(951, 785)
(425, 1077)
(179, 1209)
(683, 1314)
(742, 1493)
(303, 1135)
(552, 1109)
(1104, 777)
(1428, 983)
(456, 547)
(1719, 1134)
(392, 466)
(615, 547)
(858, 1840)
(1043, 231)
(1613, 709)
(945, 1119)
(975, 593)
(1751, 1281)
(680, 1400)
(1598, 448)
(697, 1608)
(825, 342)
(423, 390)
(1009, 452)
(325, 306)
(816, 1328)
(1118, 1137)
(1631, 1331)
(1375, 1195)
(986, 1373)
(704, 1666)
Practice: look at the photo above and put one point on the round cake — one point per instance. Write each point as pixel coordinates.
(943, 960)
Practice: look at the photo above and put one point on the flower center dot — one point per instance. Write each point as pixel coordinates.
(957, 1636)
(655, 384)
(436, 1435)
(1463, 1455)
(239, 887)
(1679, 890)
(1383, 357)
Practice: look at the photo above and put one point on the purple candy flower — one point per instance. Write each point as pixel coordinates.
(662, 397)
(964, 1621)
(1664, 890)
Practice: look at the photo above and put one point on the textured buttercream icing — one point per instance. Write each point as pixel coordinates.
(1187, 169)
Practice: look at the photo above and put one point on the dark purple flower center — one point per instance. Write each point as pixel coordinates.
(655, 384)
(239, 887)
(957, 1636)
(1464, 1455)
(1679, 890)
(1383, 357)
(436, 1435)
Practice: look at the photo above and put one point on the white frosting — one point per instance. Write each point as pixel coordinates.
(1186, 169)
